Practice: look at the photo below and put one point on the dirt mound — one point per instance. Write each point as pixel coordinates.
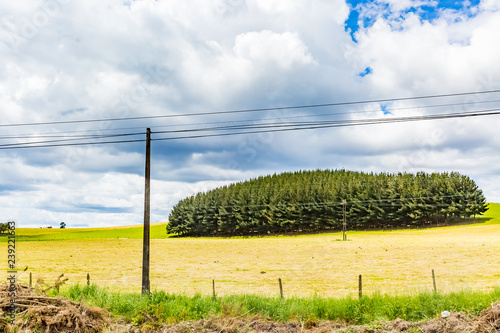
(489, 319)
(248, 325)
(40, 313)
(455, 323)
(487, 322)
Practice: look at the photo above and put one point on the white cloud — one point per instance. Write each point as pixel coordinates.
(491, 5)
(281, 50)
(103, 59)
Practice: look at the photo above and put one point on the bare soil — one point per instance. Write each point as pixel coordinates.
(487, 322)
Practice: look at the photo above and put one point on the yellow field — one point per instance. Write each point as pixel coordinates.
(390, 262)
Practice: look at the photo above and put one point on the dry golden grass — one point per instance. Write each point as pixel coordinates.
(390, 262)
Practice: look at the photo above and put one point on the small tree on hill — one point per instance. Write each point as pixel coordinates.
(62, 225)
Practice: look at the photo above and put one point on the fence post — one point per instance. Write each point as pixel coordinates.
(434, 281)
(88, 279)
(281, 288)
(344, 224)
(31, 281)
(360, 287)
(213, 289)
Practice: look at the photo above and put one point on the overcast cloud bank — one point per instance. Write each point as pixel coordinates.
(74, 60)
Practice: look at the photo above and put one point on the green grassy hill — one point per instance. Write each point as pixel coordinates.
(129, 232)
(493, 213)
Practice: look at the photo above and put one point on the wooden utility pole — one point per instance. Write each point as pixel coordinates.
(145, 247)
(344, 225)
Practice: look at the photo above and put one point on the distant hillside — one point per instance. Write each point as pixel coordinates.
(306, 201)
(129, 232)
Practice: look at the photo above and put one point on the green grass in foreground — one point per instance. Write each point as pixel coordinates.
(173, 308)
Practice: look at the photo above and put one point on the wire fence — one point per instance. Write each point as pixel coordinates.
(351, 286)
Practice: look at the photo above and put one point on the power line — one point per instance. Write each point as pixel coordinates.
(72, 139)
(256, 109)
(234, 125)
(325, 122)
(268, 128)
(74, 144)
(64, 134)
(345, 124)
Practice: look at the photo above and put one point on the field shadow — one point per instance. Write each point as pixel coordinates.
(461, 222)
(458, 222)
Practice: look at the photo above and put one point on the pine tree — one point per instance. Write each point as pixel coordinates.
(312, 201)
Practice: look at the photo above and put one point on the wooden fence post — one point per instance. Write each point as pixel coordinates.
(213, 289)
(281, 287)
(360, 287)
(31, 281)
(88, 279)
(434, 281)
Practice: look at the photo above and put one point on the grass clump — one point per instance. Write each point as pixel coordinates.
(161, 307)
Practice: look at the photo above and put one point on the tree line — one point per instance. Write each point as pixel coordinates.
(5, 228)
(310, 201)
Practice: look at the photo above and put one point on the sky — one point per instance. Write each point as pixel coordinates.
(67, 60)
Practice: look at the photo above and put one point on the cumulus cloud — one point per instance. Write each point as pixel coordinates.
(281, 50)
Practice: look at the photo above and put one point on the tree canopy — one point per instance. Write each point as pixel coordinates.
(310, 201)
(4, 228)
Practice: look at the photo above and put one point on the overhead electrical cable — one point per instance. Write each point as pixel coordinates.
(74, 144)
(364, 122)
(72, 139)
(325, 122)
(278, 128)
(263, 126)
(233, 122)
(255, 110)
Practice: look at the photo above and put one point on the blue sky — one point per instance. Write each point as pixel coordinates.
(65, 60)
(360, 17)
